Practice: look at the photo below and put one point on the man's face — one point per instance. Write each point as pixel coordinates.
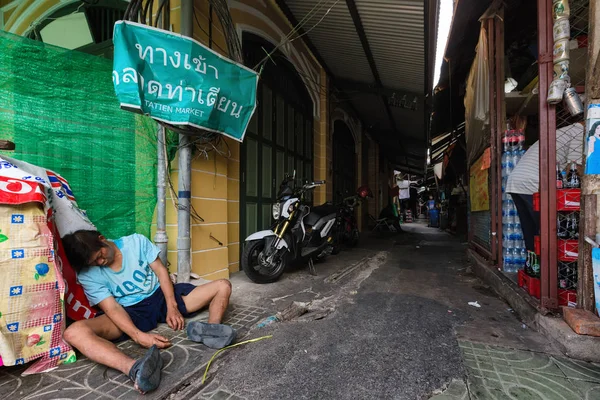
(103, 257)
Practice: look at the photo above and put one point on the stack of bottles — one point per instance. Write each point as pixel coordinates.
(514, 251)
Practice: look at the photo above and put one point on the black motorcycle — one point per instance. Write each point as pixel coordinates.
(300, 233)
(346, 229)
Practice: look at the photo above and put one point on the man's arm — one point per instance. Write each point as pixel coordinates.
(174, 318)
(121, 319)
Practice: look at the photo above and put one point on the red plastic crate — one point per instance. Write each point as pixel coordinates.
(537, 245)
(567, 298)
(530, 284)
(566, 200)
(568, 250)
(522, 278)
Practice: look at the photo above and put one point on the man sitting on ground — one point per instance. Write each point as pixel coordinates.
(128, 282)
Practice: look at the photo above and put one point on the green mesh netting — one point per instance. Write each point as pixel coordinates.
(60, 109)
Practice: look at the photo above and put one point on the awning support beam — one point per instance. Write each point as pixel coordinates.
(360, 30)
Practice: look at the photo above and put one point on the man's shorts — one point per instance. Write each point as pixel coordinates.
(148, 313)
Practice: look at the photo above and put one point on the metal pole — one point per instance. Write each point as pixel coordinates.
(185, 163)
(161, 239)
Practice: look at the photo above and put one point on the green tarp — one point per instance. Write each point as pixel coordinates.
(60, 109)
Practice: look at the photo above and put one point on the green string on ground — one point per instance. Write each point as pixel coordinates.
(229, 347)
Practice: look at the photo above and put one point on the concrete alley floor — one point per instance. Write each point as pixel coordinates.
(387, 320)
(391, 320)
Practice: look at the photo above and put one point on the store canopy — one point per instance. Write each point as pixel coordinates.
(378, 55)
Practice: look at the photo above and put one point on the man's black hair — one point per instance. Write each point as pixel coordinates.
(81, 246)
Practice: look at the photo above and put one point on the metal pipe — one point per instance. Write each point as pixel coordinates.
(161, 239)
(185, 176)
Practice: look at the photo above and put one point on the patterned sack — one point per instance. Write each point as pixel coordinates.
(35, 276)
(31, 291)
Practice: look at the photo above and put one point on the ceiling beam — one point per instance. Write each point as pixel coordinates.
(350, 85)
(360, 30)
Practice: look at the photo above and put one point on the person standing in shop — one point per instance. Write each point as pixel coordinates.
(524, 180)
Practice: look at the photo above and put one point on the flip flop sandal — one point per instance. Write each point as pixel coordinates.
(145, 372)
(215, 336)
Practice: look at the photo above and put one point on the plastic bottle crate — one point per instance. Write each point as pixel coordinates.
(530, 284)
(567, 298)
(568, 250)
(566, 200)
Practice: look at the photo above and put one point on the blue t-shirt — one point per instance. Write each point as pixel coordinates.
(133, 283)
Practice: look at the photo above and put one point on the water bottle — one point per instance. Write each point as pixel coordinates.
(509, 162)
(516, 157)
(267, 321)
(518, 233)
(508, 260)
(505, 213)
(510, 236)
(523, 254)
(516, 259)
(504, 162)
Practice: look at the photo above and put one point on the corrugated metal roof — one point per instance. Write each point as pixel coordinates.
(394, 30)
(330, 28)
(396, 33)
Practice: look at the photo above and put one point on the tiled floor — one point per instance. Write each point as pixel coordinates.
(496, 373)
(87, 380)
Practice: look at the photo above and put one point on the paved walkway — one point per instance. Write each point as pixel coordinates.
(389, 320)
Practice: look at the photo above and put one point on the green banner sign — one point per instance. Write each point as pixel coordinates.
(177, 80)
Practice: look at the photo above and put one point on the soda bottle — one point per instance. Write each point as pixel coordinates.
(564, 179)
(562, 225)
(575, 226)
(559, 179)
(573, 178)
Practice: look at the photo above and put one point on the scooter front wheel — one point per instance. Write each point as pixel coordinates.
(254, 269)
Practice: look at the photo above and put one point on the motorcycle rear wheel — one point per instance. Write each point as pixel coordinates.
(253, 270)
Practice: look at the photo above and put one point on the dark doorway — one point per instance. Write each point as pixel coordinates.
(279, 138)
(344, 161)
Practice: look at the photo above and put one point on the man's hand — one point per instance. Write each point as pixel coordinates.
(147, 340)
(175, 319)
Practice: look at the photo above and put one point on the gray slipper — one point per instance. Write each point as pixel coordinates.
(215, 336)
(145, 372)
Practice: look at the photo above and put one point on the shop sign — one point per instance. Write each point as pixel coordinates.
(592, 162)
(177, 80)
(478, 185)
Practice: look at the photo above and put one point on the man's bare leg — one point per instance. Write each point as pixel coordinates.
(93, 337)
(214, 294)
